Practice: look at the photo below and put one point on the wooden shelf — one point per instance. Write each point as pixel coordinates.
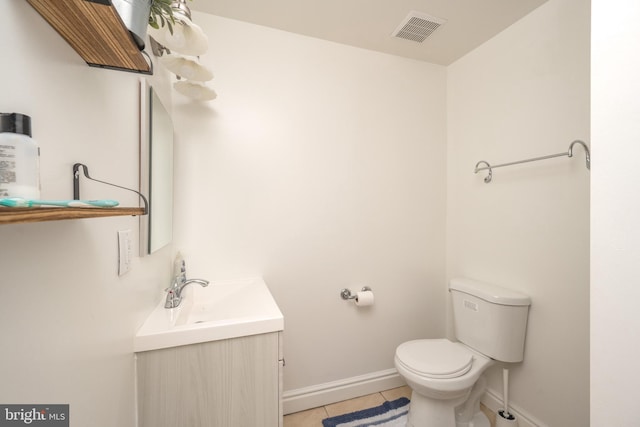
(23, 215)
(94, 29)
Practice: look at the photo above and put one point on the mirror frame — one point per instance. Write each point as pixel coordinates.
(152, 237)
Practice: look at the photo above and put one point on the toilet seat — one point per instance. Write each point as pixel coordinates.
(434, 358)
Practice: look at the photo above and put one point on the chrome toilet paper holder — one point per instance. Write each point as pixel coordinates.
(347, 295)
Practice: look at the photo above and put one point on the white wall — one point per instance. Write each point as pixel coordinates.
(320, 166)
(615, 207)
(67, 320)
(524, 94)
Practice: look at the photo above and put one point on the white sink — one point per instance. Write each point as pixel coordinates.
(222, 310)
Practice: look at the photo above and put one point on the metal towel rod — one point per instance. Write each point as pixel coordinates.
(569, 153)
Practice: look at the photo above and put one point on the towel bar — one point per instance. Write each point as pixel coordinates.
(569, 153)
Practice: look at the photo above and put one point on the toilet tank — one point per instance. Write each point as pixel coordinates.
(489, 318)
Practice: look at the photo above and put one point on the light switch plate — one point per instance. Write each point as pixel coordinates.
(124, 251)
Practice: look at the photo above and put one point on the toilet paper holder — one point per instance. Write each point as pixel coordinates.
(347, 295)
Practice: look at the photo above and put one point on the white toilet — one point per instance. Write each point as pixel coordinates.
(446, 377)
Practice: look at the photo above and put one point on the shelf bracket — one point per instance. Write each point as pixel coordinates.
(85, 169)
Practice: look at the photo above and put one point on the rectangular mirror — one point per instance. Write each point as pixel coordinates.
(156, 171)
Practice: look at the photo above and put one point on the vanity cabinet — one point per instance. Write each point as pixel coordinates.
(231, 382)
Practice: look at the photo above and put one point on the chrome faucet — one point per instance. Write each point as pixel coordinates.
(179, 282)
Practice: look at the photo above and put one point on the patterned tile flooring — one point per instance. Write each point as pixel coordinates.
(313, 417)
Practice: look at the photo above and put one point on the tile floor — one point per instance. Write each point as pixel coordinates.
(313, 417)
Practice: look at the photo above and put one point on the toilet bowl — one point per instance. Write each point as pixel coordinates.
(446, 376)
(441, 374)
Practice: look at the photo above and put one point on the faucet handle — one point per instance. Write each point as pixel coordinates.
(179, 266)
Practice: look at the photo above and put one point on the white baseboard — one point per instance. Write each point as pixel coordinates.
(336, 391)
(323, 394)
(493, 401)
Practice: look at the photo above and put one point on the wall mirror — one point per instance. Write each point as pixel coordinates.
(156, 171)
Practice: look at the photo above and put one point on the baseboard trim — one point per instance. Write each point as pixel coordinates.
(336, 391)
(493, 400)
(323, 394)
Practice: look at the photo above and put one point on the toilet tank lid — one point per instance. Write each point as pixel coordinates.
(489, 292)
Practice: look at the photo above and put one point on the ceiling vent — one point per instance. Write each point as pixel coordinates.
(417, 26)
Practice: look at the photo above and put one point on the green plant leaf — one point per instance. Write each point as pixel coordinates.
(161, 15)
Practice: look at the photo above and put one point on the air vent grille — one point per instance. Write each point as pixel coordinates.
(418, 26)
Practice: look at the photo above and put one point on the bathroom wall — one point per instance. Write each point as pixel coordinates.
(524, 94)
(67, 320)
(320, 166)
(615, 209)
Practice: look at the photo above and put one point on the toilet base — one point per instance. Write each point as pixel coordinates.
(469, 414)
(460, 412)
(478, 420)
(424, 411)
(429, 412)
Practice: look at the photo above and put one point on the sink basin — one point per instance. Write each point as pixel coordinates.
(222, 310)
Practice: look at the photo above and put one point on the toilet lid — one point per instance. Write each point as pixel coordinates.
(438, 358)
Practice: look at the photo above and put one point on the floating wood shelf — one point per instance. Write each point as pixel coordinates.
(94, 29)
(23, 215)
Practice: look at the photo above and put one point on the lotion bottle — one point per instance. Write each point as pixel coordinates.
(19, 158)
